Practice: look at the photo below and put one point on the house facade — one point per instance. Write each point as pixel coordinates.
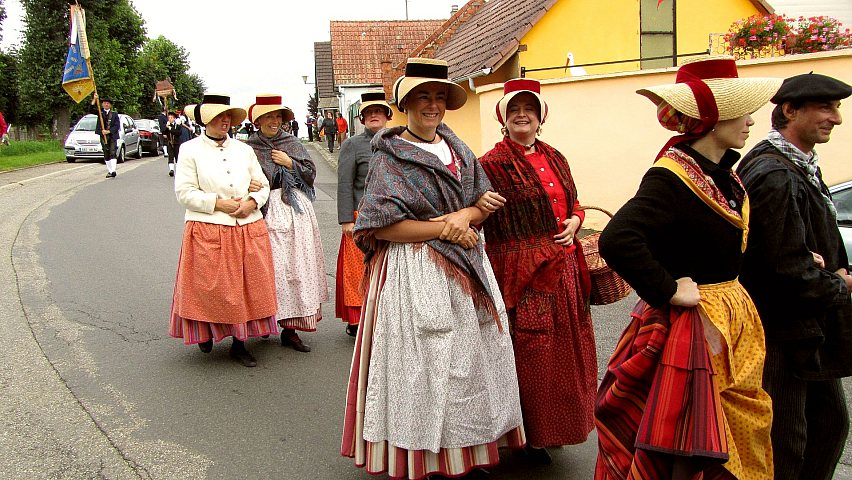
(358, 49)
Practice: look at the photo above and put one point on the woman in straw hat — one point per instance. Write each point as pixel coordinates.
(682, 393)
(355, 154)
(433, 388)
(296, 246)
(542, 274)
(225, 284)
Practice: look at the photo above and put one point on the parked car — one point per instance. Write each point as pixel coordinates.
(84, 142)
(149, 135)
(841, 194)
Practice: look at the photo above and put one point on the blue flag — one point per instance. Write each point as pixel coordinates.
(77, 78)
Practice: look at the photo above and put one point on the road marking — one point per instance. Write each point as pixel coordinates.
(28, 180)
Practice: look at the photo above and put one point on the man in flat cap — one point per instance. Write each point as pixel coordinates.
(795, 270)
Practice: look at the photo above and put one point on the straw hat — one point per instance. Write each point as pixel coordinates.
(514, 87)
(211, 106)
(374, 97)
(427, 70)
(710, 81)
(267, 103)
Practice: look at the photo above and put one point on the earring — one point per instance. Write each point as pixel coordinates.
(538, 131)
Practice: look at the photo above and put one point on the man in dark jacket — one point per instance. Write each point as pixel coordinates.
(162, 121)
(795, 270)
(110, 125)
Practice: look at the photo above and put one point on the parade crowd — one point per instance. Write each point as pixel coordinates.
(466, 289)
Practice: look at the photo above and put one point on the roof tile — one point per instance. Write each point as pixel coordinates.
(360, 47)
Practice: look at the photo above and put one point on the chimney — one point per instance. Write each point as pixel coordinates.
(453, 10)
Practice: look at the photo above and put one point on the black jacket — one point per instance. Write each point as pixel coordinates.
(804, 308)
(666, 232)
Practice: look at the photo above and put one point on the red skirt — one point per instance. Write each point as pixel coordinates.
(225, 284)
(350, 274)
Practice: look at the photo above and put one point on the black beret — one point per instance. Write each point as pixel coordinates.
(811, 86)
(106, 99)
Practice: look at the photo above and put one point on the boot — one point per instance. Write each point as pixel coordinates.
(206, 347)
(239, 353)
(289, 337)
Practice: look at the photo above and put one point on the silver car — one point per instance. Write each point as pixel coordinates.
(841, 194)
(84, 142)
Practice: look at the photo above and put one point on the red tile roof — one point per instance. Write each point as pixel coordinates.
(359, 48)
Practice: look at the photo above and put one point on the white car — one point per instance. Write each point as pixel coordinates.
(84, 143)
(841, 195)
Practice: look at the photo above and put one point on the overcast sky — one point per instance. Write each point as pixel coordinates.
(246, 47)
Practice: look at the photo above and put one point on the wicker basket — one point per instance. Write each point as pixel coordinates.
(607, 286)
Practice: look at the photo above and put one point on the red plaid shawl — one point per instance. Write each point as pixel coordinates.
(658, 399)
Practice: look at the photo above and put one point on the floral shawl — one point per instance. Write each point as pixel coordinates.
(300, 177)
(406, 182)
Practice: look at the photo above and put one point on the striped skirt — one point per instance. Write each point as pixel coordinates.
(381, 456)
(224, 285)
(350, 273)
(686, 382)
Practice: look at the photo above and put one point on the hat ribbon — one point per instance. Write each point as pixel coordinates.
(707, 109)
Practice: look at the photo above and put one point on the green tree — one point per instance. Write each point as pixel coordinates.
(313, 105)
(2, 17)
(8, 92)
(162, 59)
(115, 32)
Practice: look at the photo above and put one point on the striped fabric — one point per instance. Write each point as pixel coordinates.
(193, 332)
(658, 396)
(379, 457)
(305, 324)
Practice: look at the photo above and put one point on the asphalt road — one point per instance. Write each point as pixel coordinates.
(92, 385)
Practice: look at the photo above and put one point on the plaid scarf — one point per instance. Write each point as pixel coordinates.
(300, 177)
(809, 163)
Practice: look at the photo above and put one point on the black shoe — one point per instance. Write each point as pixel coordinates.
(239, 353)
(207, 346)
(108, 175)
(113, 174)
(538, 455)
(290, 338)
(352, 330)
(171, 173)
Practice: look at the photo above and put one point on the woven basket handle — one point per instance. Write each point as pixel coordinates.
(589, 207)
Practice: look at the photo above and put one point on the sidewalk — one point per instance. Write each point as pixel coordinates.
(322, 149)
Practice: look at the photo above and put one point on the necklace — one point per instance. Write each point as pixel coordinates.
(418, 137)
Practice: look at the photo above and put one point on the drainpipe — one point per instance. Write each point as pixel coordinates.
(481, 73)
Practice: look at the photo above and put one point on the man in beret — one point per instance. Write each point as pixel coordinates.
(795, 270)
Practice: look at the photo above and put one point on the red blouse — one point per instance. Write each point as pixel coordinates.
(554, 189)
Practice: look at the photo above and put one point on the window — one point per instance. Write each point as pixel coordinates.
(657, 35)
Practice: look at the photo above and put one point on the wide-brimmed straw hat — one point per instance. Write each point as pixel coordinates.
(374, 97)
(713, 81)
(211, 106)
(267, 103)
(427, 70)
(511, 89)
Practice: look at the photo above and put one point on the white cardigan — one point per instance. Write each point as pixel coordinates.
(206, 171)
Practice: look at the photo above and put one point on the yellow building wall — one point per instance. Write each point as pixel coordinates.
(607, 31)
(610, 134)
(696, 21)
(592, 31)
